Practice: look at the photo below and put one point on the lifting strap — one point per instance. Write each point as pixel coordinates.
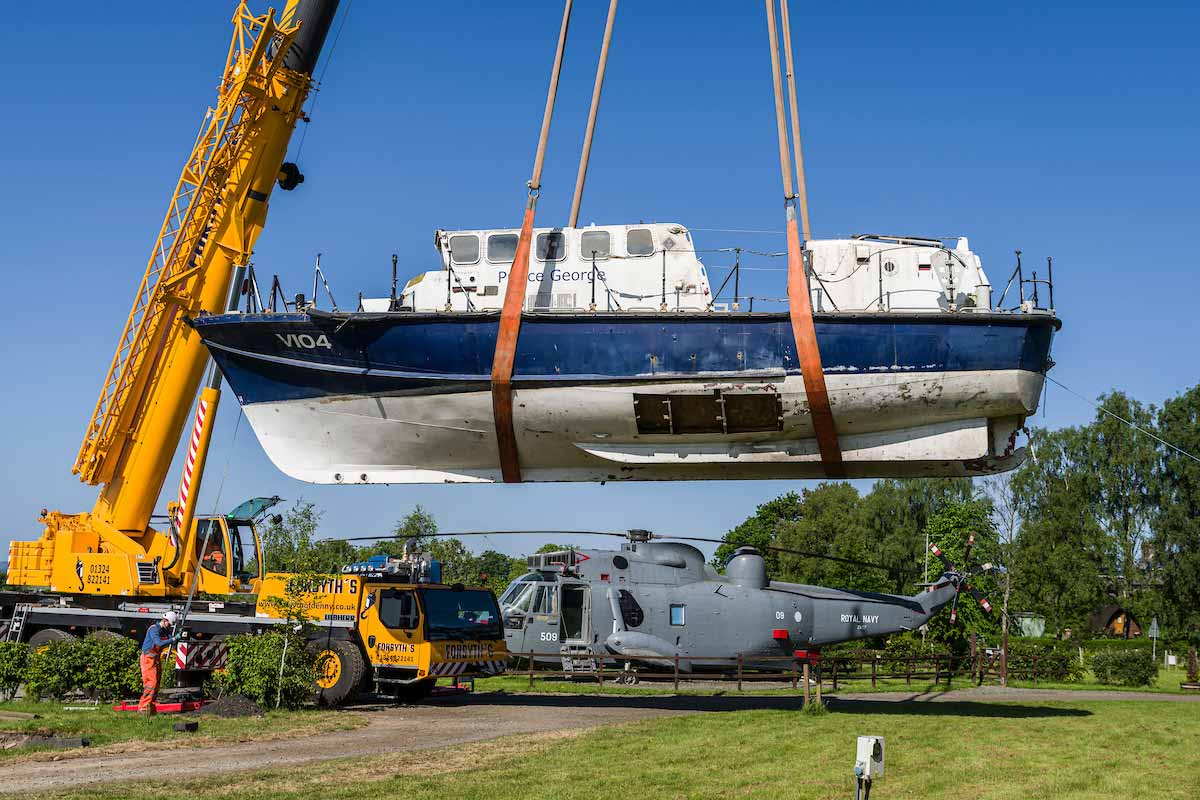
(514, 295)
(799, 298)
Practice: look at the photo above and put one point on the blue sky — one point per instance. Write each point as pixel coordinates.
(1063, 129)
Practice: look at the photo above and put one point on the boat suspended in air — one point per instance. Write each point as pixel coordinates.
(627, 368)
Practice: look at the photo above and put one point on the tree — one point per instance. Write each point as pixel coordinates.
(1175, 545)
(1121, 463)
(1061, 550)
(1007, 518)
(830, 523)
(288, 544)
(761, 529)
(950, 529)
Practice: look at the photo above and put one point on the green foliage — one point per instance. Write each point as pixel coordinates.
(902, 648)
(761, 529)
(1092, 646)
(1125, 667)
(56, 669)
(1052, 659)
(102, 667)
(1193, 666)
(112, 670)
(1175, 546)
(949, 529)
(288, 544)
(14, 658)
(253, 669)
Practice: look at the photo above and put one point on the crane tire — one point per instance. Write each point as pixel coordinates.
(105, 633)
(45, 636)
(339, 666)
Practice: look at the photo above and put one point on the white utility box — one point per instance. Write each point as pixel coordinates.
(868, 764)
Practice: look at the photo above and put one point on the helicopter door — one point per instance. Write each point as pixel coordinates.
(574, 613)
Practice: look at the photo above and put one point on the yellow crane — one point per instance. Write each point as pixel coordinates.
(215, 215)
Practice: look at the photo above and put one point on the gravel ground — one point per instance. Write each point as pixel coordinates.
(449, 721)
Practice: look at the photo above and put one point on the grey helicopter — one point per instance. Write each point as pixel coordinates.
(656, 602)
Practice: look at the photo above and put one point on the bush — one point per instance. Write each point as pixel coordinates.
(1054, 660)
(56, 669)
(14, 658)
(903, 647)
(112, 667)
(1125, 666)
(1093, 646)
(253, 669)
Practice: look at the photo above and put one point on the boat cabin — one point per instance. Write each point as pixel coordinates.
(654, 267)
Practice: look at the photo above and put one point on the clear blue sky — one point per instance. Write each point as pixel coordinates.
(1064, 129)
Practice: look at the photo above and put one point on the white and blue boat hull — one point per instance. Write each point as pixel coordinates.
(405, 397)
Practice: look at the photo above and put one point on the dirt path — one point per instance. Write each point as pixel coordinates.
(451, 721)
(392, 729)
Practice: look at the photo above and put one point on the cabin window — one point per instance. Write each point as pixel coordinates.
(502, 247)
(211, 552)
(464, 249)
(594, 241)
(631, 613)
(639, 242)
(677, 616)
(398, 609)
(551, 246)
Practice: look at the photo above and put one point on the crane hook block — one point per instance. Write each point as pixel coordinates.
(290, 176)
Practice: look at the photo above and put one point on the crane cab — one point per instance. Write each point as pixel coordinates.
(228, 555)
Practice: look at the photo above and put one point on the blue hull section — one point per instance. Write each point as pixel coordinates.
(280, 357)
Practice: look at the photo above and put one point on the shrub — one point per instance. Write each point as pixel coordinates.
(253, 669)
(901, 648)
(56, 669)
(1053, 659)
(14, 658)
(112, 667)
(1093, 646)
(1193, 666)
(1125, 666)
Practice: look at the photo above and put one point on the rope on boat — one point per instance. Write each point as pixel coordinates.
(799, 301)
(514, 295)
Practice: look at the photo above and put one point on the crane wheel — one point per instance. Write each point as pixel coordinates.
(45, 636)
(104, 633)
(339, 671)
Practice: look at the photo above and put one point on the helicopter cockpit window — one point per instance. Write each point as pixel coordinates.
(631, 612)
(520, 597)
(543, 603)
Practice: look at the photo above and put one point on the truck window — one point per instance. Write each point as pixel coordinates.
(398, 609)
(212, 552)
(244, 557)
(466, 614)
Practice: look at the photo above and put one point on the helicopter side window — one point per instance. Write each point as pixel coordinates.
(544, 602)
(522, 599)
(631, 612)
(677, 617)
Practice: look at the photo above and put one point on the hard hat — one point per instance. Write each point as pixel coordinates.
(171, 617)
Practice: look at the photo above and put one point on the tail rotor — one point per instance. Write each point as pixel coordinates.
(960, 578)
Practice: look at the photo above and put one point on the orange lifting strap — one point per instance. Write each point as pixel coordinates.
(514, 293)
(799, 299)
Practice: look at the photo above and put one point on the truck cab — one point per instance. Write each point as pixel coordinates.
(391, 626)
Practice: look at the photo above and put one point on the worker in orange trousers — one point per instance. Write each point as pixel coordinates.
(158, 638)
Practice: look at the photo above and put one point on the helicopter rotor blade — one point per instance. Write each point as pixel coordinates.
(941, 556)
(625, 535)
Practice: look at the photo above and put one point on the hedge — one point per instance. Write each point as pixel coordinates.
(1044, 657)
(1128, 667)
(14, 657)
(102, 667)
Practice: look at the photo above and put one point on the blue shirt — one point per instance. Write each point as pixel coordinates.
(155, 640)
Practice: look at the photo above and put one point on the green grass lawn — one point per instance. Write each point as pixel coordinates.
(944, 750)
(1168, 682)
(103, 726)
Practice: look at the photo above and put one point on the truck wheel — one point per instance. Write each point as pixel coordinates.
(104, 633)
(413, 692)
(339, 668)
(47, 635)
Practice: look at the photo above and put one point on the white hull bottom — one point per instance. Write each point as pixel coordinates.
(890, 425)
